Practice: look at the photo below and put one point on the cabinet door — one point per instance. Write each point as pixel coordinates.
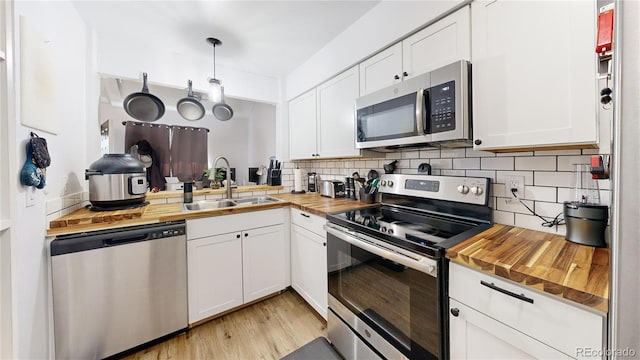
(439, 44)
(534, 74)
(473, 335)
(302, 126)
(309, 268)
(214, 275)
(381, 70)
(264, 261)
(336, 115)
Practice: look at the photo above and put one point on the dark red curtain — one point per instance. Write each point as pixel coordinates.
(157, 136)
(188, 152)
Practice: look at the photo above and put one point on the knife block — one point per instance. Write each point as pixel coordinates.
(274, 177)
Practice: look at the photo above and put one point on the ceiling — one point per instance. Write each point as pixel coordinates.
(263, 37)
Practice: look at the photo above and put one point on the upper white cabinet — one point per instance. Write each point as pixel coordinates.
(534, 74)
(439, 44)
(302, 126)
(321, 121)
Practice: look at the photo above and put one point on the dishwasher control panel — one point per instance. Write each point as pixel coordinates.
(167, 233)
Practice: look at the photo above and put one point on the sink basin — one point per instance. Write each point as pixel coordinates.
(225, 203)
(256, 200)
(208, 205)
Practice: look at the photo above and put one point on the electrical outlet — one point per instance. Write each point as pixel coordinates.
(30, 199)
(514, 182)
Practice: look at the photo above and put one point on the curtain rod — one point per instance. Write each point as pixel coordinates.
(160, 125)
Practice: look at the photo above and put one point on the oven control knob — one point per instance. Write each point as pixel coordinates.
(390, 231)
(431, 268)
(477, 190)
(383, 183)
(383, 229)
(463, 189)
(390, 183)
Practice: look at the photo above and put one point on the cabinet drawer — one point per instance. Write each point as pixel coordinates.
(216, 225)
(554, 322)
(308, 221)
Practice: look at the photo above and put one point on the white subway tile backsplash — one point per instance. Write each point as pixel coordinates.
(547, 178)
(501, 176)
(503, 217)
(430, 154)
(535, 223)
(466, 163)
(452, 172)
(513, 205)
(478, 153)
(483, 173)
(567, 163)
(452, 153)
(441, 163)
(540, 193)
(547, 163)
(496, 163)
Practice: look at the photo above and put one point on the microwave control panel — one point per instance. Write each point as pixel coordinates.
(443, 105)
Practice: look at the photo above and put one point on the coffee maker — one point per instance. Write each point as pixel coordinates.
(585, 216)
(313, 182)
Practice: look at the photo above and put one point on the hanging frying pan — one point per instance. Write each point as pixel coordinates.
(189, 107)
(222, 111)
(142, 105)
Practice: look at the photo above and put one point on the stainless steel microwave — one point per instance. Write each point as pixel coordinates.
(429, 109)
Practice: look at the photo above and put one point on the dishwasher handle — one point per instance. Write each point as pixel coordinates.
(125, 240)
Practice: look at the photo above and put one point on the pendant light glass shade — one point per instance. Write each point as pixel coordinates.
(215, 91)
(220, 110)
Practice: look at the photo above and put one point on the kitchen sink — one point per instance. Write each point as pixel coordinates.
(225, 203)
(256, 200)
(208, 205)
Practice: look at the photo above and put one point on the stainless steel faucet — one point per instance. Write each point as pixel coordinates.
(227, 183)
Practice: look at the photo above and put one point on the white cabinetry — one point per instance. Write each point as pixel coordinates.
(235, 259)
(321, 121)
(309, 259)
(494, 318)
(534, 74)
(439, 44)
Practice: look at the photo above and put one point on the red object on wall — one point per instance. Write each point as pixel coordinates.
(605, 31)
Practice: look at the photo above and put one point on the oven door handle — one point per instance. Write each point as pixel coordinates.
(420, 263)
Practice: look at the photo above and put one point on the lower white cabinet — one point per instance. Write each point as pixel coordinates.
(309, 259)
(235, 259)
(491, 317)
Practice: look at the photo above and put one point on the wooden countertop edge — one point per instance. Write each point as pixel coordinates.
(597, 300)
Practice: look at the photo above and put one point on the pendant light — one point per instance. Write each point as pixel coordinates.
(220, 110)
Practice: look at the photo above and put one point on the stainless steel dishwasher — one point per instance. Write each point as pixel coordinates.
(114, 290)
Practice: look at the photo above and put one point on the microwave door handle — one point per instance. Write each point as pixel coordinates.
(419, 112)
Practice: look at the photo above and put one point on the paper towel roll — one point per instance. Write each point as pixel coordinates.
(297, 180)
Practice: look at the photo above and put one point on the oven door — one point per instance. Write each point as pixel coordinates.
(389, 297)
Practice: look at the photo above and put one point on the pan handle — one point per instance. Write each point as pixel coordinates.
(145, 89)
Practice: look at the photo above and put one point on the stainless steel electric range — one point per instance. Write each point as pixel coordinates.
(386, 268)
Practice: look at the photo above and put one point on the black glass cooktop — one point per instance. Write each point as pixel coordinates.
(413, 230)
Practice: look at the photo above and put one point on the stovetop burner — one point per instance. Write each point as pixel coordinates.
(118, 207)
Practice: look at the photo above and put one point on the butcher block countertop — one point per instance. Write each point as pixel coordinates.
(540, 260)
(84, 220)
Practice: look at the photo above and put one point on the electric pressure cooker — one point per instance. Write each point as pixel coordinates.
(116, 180)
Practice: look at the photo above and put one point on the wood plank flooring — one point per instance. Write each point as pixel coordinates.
(267, 330)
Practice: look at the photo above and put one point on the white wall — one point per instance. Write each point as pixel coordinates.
(75, 91)
(175, 69)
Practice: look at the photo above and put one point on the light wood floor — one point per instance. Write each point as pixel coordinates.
(267, 330)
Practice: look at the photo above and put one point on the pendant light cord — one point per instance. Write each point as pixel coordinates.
(214, 60)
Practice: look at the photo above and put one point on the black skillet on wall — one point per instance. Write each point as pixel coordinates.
(142, 105)
(189, 107)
